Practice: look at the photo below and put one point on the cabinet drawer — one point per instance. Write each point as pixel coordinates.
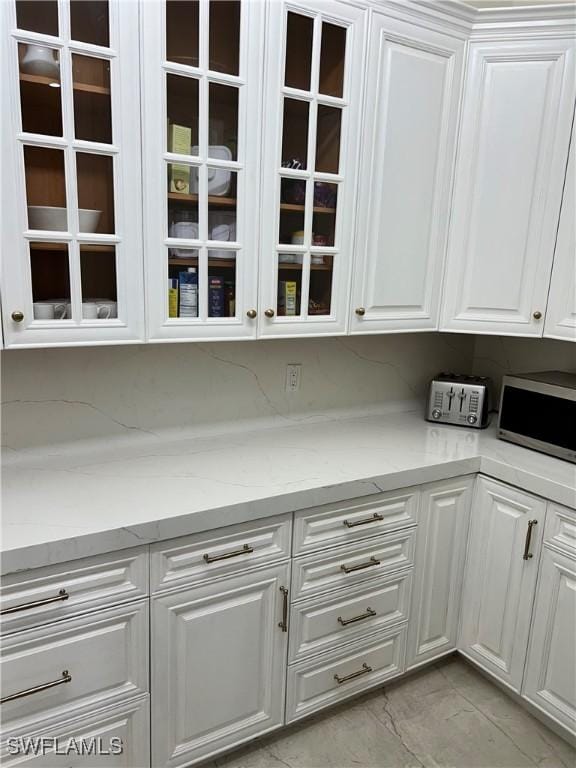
(349, 565)
(69, 666)
(319, 682)
(42, 595)
(324, 623)
(560, 529)
(204, 556)
(342, 522)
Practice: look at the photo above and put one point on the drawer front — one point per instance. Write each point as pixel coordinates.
(340, 523)
(204, 556)
(71, 666)
(352, 564)
(42, 595)
(324, 623)
(318, 683)
(119, 737)
(560, 530)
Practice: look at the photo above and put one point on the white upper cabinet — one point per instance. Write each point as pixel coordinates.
(515, 133)
(71, 225)
(561, 311)
(413, 87)
(201, 141)
(311, 119)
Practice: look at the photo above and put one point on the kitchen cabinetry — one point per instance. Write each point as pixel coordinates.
(518, 106)
(72, 240)
(312, 117)
(413, 94)
(561, 311)
(501, 569)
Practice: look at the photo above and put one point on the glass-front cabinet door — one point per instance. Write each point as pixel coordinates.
(313, 103)
(202, 102)
(71, 223)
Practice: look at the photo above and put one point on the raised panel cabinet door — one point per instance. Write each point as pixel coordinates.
(561, 311)
(550, 680)
(438, 570)
(514, 139)
(413, 92)
(72, 269)
(500, 578)
(218, 665)
(313, 102)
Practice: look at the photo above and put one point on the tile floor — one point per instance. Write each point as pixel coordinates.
(447, 715)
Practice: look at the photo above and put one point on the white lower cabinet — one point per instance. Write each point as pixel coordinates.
(501, 569)
(218, 665)
(440, 552)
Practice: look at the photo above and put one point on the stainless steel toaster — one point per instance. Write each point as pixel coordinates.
(459, 399)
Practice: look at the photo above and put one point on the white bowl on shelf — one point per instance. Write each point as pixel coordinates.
(53, 218)
(88, 219)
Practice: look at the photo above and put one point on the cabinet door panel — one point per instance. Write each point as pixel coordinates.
(218, 666)
(550, 681)
(518, 107)
(499, 582)
(414, 79)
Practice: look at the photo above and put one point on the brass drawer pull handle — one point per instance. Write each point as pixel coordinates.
(369, 613)
(364, 671)
(66, 678)
(527, 554)
(284, 623)
(374, 519)
(246, 550)
(360, 566)
(62, 595)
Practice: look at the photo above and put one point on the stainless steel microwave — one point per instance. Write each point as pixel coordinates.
(538, 410)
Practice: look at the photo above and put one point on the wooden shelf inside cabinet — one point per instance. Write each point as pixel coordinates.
(212, 263)
(96, 247)
(314, 267)
(85, 87)
(316, 209)
(214, 200)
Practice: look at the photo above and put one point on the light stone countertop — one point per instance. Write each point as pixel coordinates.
(74, 500)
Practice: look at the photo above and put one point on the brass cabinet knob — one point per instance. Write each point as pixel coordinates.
(251, 314)
(361, 311)
(17, 316)
(269, 312)
(537, 315)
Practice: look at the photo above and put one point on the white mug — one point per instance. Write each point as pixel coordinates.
(49, 310)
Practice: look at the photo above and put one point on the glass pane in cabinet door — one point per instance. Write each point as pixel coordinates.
(292, 202)
(45, 188)
(320, 290)
(50, 273)
(324, 217)
(182, 108)
(222, 194)
(182, 25)
(89, 21)
(98, 275)
(40, 91)
(223, 122)
(289, 284)
(38, 16)
(221, 283)
(92, 101)
(95, 193)
(224, 48)
(299, 36)
(332, 55)
(328, 139)
(295, 134)
(182, 201)
(183, 282)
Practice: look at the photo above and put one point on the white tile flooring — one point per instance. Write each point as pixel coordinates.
(446, 715)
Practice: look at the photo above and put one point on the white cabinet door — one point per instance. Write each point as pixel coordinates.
(550, 680)
(414, 80)
(438, 570)
(201, 76)
(561, 310)
(313, 100)
(218, 665)
(501, 568)
(514, 138)
(71, 224)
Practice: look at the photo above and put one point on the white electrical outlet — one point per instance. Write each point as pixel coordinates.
(293, 375)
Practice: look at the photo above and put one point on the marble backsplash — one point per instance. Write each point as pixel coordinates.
(56, 395)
